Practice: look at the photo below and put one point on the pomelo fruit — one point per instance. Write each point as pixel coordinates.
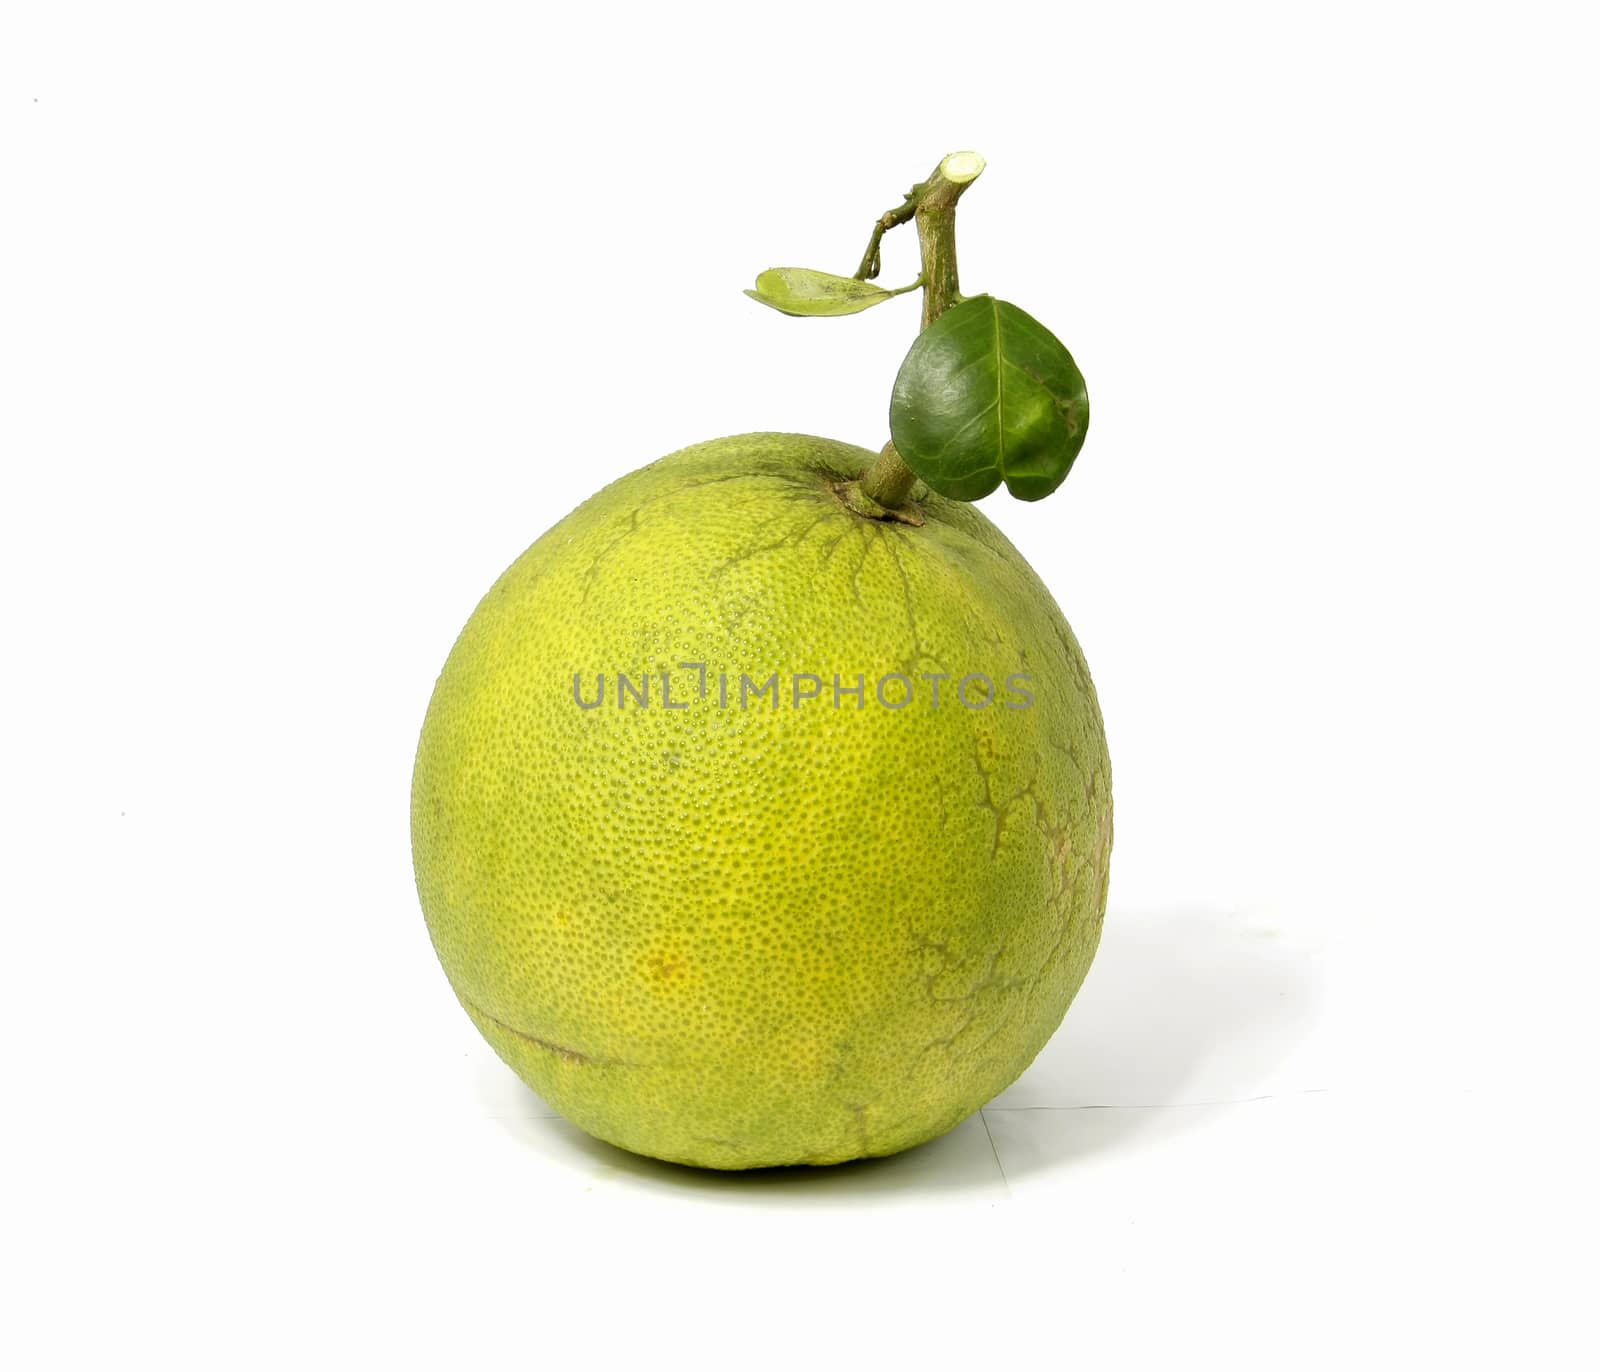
(737, 927)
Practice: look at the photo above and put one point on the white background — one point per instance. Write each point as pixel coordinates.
(312, 317)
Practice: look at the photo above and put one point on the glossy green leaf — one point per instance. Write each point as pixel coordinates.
(988, 394)
(800, 291)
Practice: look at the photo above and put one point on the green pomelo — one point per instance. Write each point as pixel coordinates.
(750, 934)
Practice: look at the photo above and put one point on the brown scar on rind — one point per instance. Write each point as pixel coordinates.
(560, 1050)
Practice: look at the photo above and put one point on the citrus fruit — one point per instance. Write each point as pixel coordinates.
(752, 831)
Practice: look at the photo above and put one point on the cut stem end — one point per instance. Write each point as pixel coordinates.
(962, 167)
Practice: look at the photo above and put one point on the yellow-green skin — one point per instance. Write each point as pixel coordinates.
(750, 937)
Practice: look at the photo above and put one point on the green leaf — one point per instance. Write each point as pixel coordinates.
(800, 291)
(988, 394)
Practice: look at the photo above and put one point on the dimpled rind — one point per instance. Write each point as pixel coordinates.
(752, 937)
